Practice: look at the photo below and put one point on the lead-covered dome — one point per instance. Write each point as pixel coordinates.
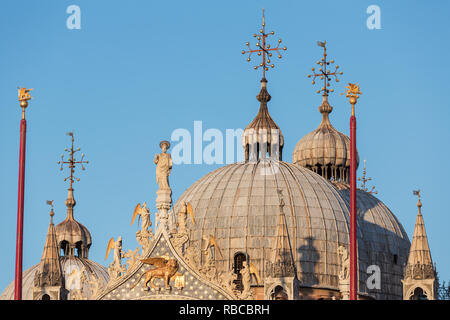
(239, 205)
(325, 151)
(79, 274)
(73, 237)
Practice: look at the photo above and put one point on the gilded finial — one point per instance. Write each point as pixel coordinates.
(72, 162)
(264, 49)
(353, 93)
(363, 180)
(419, 203)
(325, 74)
(24, 96)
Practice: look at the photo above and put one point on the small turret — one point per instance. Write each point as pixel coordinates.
(420, 279)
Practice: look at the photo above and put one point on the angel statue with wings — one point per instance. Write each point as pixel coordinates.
(144, 235)
(115, 268)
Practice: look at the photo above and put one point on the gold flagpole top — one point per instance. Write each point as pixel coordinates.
(353, 93)
(24, 96)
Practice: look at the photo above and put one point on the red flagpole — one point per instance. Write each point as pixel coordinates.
(19, 243)
(24, 96)
(353, 239)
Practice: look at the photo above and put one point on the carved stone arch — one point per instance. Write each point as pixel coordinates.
(419, 291)
(277, 288)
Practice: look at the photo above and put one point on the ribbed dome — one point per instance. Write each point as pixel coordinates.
(73, 231)
(68, 265)
(71, 234)
(325, 147)
(386, 241)
(239, 205)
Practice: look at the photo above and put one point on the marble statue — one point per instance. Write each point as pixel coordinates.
(163, 163)
(345, 263)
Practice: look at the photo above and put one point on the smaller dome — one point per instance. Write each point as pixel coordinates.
(326, 151)
(73, 269)
(71, 234)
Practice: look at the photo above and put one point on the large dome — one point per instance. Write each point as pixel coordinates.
(70, 266)
(239, 205)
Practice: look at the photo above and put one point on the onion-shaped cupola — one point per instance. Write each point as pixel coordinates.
(262, 136)
(73, 237)
(325, 151)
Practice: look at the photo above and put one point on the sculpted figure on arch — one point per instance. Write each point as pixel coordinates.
(163, 163)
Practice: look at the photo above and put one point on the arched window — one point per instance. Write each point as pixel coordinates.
(64, 247)
(79, 249)
(418, 294)
(278, 293)
(239, 258)
(45, 297)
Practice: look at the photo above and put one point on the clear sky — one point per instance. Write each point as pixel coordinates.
(138, 70)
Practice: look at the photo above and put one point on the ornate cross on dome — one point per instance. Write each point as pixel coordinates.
(264, 49)
(72, 162)
(324, 74)
(363, 179)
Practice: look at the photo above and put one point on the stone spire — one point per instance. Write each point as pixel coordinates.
(280, 274)
(420, 250)
(420, 280)
(48, 280)
(263, 136)
(282, 264)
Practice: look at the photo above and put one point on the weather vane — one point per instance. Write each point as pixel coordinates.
(264, 49)
(72, 162)
(50, 203)
(364, 180)
(417, 193)
(419, 203)
(325, 74)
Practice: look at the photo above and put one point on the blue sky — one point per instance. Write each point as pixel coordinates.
(137, 70)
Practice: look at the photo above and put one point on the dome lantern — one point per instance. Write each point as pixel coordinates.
(325, 151)
(262, 136)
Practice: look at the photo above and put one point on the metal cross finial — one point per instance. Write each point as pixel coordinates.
(324, 74)
(72, 162)
(364, 180)
(264, 49)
